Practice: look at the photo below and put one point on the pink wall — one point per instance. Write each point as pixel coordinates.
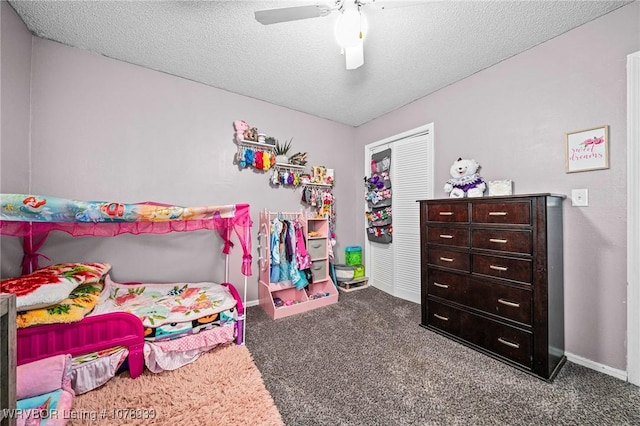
(512, 118)
(108, 130)
(15, 83)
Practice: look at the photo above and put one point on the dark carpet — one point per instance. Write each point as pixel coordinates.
(366, 361)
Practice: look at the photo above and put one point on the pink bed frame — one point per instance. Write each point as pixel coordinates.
(99, 332)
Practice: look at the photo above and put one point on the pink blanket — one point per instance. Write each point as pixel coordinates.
(43, 376)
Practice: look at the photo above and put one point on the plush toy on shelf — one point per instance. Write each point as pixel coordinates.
(240, 127)
(465, 181)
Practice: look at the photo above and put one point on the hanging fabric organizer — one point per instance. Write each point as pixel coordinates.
(378, 195)
(287, 174)
(255, 154)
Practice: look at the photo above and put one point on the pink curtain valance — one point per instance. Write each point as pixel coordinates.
(32, 216)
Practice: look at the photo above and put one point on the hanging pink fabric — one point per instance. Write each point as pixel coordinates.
(31, 245)
(302, 256)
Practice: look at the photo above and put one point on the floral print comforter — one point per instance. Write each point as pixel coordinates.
(161, 304)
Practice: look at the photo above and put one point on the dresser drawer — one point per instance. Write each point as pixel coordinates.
(447, 285)
(501, 339)
(448, 212)
(509, 342)
(508, 302)
(317, 248)
(502, 240)
(503, 267)
(512, 213)
(444, 317)
(449, 236)
(449, 259)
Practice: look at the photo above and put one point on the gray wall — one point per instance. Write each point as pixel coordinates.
(512, 119)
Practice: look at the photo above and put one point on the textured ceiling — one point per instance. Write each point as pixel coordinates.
(409, 52)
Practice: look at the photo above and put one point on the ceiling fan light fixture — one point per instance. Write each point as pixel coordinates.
(354, 56)
(351, 28)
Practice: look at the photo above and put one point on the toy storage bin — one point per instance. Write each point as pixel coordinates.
(353, 255)
(317, 248)
(358, 271)
(344, 272)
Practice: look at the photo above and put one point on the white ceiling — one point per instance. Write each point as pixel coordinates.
(409, 52)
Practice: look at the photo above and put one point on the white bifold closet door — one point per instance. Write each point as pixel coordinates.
(395, 268)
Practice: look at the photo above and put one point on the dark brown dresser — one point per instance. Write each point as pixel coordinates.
(492, 277)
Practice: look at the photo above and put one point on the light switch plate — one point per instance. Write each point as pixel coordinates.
(580, 197)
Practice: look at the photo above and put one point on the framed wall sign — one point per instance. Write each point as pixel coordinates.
(587, 149)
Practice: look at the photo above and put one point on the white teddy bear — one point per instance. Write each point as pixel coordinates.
(465, 180)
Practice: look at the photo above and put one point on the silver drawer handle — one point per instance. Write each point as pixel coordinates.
(446, 213)
(440, 317)
(446, 259)
(446, 236)
(497, 240)
(497, 213)
(316, 245)
(509, 303)
(317, 268)
(497, 268)
(440, 285)
(508, 343)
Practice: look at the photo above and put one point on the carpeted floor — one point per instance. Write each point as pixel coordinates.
(366, 361)
(222, 387)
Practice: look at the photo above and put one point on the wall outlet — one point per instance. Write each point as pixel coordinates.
(580, 197)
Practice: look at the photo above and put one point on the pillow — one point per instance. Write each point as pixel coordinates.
(43, 376)
(52, 284)
(79, 304)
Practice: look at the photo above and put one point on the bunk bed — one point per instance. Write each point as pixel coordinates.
(34, 217)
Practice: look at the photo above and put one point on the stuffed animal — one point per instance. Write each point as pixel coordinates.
(251, 134)
(465, 181)
(240, 126)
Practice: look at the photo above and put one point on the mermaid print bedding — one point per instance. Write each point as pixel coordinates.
(37, 208)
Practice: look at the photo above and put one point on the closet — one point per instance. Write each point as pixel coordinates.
(282, 293)
(395, 268)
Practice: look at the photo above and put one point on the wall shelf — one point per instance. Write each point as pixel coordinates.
(288, 166)
(319, 185)
(252, 144)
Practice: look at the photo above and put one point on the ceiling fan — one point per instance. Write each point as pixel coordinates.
(351, 26)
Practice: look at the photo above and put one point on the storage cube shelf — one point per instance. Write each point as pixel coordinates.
(283, 299)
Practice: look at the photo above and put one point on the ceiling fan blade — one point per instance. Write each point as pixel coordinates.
(274, 16)
(393, 4)
(354, 56)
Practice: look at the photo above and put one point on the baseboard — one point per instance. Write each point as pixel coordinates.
(618, 374)
(250, 303)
